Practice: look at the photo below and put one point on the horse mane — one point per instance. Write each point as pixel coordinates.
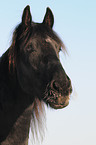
(19, 33)
(38, 120)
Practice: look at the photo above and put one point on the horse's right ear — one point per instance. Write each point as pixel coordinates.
(26, 17)
(49, 18)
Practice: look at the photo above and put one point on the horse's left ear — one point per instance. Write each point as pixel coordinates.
(26, 17)
(49, 18)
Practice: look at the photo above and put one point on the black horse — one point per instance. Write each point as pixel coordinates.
(30, 76)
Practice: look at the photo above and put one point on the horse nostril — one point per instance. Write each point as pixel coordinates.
(55, 86)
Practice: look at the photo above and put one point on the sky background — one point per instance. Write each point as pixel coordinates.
(75, 23)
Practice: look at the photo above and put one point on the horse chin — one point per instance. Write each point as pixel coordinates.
(58, 105)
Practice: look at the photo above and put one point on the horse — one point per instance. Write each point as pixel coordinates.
(31, 76)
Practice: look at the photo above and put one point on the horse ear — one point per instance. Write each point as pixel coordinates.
(49, 18)
(26, 17)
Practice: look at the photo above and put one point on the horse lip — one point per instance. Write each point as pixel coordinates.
(56, 100)
(59, 106)
(62, 102)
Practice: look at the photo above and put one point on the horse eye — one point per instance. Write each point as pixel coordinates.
(59, 48)
(30, 48)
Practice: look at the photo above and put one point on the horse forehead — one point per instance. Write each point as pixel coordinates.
(50, 40)
(53, 43)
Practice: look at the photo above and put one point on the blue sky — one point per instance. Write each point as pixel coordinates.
(75, 22)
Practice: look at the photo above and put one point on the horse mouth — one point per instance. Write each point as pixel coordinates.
(56, 100)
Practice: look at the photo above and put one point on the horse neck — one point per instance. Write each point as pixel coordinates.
(9, 82)
(15, 106)
(7, 79)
